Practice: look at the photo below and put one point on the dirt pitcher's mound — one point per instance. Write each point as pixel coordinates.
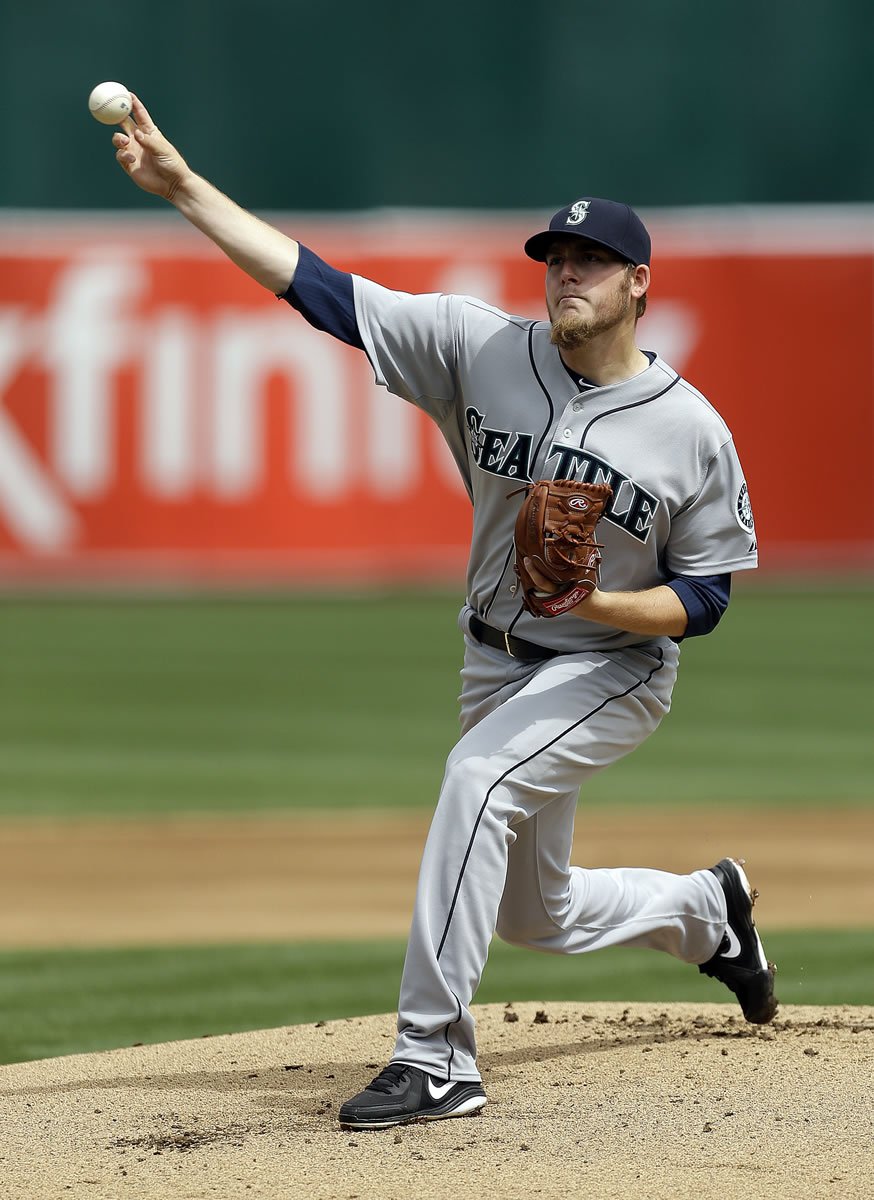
(594, 1100)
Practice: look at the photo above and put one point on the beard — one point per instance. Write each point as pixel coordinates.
(571, 330)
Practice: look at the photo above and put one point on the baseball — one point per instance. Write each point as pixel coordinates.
(110, 103)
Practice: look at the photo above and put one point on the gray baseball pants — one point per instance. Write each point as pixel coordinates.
(497, 857)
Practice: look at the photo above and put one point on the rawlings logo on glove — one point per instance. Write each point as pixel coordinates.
(555, 528)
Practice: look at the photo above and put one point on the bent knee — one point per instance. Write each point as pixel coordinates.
(472, 780)
(524, 928)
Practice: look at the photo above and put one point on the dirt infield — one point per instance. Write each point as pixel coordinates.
(649, 1102)
(633, 1102)
(267, 878)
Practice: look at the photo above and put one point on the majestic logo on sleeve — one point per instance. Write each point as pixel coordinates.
(744, 510)
(578, 212)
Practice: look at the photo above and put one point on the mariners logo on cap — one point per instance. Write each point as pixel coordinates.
(578, 212)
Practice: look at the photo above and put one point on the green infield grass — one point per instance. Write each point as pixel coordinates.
(172, 703)
(72, 1001)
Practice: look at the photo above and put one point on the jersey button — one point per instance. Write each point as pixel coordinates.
(577, 405)
(567, 434)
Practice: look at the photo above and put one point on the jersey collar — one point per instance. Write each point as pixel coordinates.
(586, 385)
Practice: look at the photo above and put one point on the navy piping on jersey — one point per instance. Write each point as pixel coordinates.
(625, 407)
(500, 779)
(325, 297)
(546, 430)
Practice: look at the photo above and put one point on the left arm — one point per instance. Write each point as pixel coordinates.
(655, 612)
(684, 607)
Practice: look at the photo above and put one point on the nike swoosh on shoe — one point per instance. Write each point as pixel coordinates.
(438, 1091)
(734, 947)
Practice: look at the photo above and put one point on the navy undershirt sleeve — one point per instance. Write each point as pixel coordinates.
(324, 297)
(705, 599)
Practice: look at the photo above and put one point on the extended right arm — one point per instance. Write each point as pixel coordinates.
(156, 166)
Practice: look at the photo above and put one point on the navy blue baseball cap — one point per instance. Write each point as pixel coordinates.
(604, 221)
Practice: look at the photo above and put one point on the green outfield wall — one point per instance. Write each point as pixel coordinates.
(292, 105)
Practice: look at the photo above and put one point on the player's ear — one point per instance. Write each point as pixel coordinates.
(639, 280)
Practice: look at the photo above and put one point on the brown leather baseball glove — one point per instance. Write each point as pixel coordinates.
(555, 528)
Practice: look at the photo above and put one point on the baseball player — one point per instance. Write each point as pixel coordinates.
(546, 703)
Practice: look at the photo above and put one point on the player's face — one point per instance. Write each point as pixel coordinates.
(586, 280)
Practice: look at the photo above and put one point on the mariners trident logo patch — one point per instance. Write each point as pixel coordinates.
(578, 212)
(744, 510)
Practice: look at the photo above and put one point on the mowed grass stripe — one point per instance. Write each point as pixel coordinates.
(65, 1002)
(220, 703)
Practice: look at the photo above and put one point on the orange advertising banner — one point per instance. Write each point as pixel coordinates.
(161, 416)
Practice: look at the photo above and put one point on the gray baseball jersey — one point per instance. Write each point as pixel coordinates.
(511, 412)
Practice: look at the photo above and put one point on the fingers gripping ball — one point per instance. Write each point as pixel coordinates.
(555, 529)
(110, 103)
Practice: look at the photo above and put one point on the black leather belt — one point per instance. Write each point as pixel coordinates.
(515, 647)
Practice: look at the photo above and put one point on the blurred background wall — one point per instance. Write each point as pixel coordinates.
(161, 415)
(290, 104)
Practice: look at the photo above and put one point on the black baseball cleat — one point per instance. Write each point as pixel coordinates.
(401, 1093)
(740, 961)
